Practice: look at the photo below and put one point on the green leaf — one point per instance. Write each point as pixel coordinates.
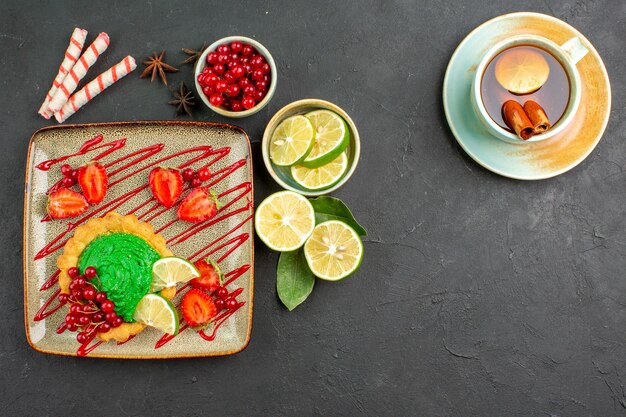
(331, 208)
(294, 279)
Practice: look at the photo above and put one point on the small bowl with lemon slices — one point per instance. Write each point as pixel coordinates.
(311, 146)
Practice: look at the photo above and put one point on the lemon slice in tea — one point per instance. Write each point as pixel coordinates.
(292, 141)
(522, 70)
(284, 221)
(331, 138)
(333, 251)
(322, 177)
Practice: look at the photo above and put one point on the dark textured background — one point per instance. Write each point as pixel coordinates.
(478, 295)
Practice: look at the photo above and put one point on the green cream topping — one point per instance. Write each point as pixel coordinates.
(123, 262)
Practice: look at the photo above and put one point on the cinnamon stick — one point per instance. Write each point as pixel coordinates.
(516, 118)
(537, 116)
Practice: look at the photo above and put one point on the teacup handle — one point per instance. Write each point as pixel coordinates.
(575, 49)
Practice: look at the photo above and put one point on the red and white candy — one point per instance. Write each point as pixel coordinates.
(95, 87)
(77, 40)
(78, 71)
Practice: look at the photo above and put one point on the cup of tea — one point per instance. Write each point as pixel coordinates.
(527, 88)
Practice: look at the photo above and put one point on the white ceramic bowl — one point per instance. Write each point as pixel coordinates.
(282, 174)
(263, 51)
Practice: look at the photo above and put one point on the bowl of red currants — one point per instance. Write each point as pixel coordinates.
(235, 76)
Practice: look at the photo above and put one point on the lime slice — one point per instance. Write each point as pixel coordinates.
(284, 221)
(292, 141)
(333, 251)
(322, 177)
(331, 138)
(167, 272)
(158, 312)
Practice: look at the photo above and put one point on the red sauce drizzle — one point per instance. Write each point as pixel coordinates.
(120, 166)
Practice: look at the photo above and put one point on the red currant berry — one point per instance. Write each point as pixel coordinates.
(63, 298)
(187, 174)
(211, 58)
(244, 82)
(211, 79)
(235, 105)
(118, 322)
(221, 293)
(75, 308)
(219, 304)
(111, 316)
(237, 71)
(248, 102)
(244, 60)
(74, 174)
(257, 61)
(107, 306)
(68, 182)
(249, 90)
(204, 173)
(89, 293)
(101, 297)
(66, 170)
(82, 337)
(261, 85)
(70, 318)
(257, 74)
(104, 327)
(219, 69)
(79, 281)
(228, 77)
(247, 50)
(196, 182)
(221, 86)
(234, 56)
(77, 294)
(72, 327)
(207, 70)
(248, 68)
(236, 46)
(258, 95)
(230, 303)
(221, 59)
(84, 320)
(233, 90)
(223, 49)
(265, 68)
(208, 90)
(73, 272)
(90, 272)
(216, 99)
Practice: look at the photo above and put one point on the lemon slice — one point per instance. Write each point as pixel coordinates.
(292, 141)
(522, 70)
(322, 177)
(284, 221)
(158, 312)
(333, 251)
(331, 138)
(167, 272)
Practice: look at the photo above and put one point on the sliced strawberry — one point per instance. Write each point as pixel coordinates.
(93, 180)
(64, 203)
(210, 275)
(200, 204)
(166, 185)
(198, 308)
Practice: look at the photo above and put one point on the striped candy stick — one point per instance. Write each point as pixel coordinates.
(78, 71)
(95, 87)
(77, 40)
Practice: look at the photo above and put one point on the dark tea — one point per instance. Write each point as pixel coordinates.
(528, 66)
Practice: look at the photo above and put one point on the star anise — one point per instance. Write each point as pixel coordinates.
(156, 65)
(193, 54)
(183, 100)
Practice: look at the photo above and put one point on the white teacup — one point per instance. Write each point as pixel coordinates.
(567, 55)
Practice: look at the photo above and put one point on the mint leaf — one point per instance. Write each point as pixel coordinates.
(294, 279)
(331, 208)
